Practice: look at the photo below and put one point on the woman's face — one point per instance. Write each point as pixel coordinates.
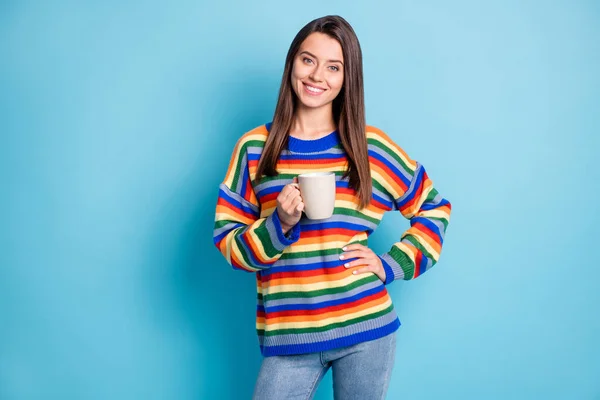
(318, 70)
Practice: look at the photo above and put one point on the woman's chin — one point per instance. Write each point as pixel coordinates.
(314, 104)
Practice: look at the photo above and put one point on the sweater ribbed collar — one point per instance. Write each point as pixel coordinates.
(311, 146)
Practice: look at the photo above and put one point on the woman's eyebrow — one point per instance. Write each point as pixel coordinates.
(313, 56)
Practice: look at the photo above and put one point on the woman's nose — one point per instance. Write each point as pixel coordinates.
(316, 74)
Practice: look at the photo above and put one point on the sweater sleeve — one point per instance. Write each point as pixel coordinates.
(247, 242)
(419, 201)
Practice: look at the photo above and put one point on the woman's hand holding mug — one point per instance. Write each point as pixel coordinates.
(289, 206)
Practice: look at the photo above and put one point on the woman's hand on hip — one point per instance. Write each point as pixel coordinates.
(289, 206)
(365, 258)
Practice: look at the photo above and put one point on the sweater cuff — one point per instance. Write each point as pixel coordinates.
(278, 238)
(389, 273)
(393, 270)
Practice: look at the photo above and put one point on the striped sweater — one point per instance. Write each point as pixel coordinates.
(307, 301)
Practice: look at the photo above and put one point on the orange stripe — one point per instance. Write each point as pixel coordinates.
(320, 317)
(236, 210)
(257, 253)
(269, 204)
(348, 197)
(301, 280)
(231, 163)
(237, 217)
(419, 193)
(424, 236)
(445, 209)
(287, 166)
(323, 239)
(242, 263)
(239, 144)
(399, 190)
(392, 143)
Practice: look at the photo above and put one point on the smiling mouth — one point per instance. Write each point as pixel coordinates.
(312, 90)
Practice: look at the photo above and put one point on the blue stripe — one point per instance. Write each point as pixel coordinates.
(293, 235)
(433, 206)
(245, 179)
(423, 265)
(276, 188)
(325, 304)
(425, 221)
(332, 225)
(254, 156)
(322, 156)
(248, 251)
(389, 273)
(270, 190)
(394, 168)
(383, 201)
(235, 203)
(218, 238)
(356, 338)
(305, 267)
(418, 178)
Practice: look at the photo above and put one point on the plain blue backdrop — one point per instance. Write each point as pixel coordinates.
(117, 122)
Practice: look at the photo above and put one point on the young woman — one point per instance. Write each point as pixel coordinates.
(322, 298)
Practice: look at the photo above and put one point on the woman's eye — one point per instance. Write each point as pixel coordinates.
(307, 59)
(334, 68)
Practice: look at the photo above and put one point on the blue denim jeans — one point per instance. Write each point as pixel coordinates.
(360, 372)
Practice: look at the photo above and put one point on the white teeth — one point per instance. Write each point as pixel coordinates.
(314, 90)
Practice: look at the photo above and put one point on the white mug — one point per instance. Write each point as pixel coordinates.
(318, 194)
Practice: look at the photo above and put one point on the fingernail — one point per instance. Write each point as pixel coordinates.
(347, 265)
(344, 248)
(353, 272)
(341, 257)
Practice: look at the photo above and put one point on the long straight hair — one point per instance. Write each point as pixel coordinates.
(348, 107)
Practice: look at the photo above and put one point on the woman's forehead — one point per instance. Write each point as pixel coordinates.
(322, 46)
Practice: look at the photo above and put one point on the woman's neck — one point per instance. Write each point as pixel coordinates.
(312, 123)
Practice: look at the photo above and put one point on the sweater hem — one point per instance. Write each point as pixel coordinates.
(345, 341)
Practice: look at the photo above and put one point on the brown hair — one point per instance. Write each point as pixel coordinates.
(348, 107)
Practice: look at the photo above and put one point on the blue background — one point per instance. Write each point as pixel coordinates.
(117, 123)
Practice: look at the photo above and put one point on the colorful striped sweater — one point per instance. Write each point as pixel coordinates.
(307, 301)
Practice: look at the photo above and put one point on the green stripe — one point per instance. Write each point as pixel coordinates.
(306, 254)
(317, 253)
(408, 267)
(355, 213)
(380, 187)
(241, 246)
(266, 179)
(277, 332)
(263, 235)
(254, 143)
(222, 222)
(392, 154)
(321, 292)
(237, 172)
(432, 194)
(444, 221)
(415, 242)
(243, 152)
(265, 239)
(284, 176)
